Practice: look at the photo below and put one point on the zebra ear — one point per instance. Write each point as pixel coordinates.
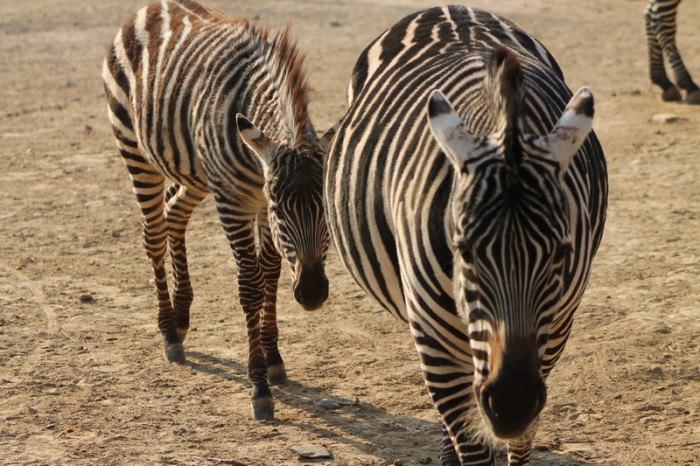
(263, 146)
(327, 138)
(571, 130)
(463, 148)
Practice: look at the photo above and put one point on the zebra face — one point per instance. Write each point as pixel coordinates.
(294, 191)
(295, 208)
(512, 238)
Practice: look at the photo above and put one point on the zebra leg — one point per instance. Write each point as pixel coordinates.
(148, 185)
(448, 455)
(666, 33)
(181, 202)
(238, 225)
(519, 449)
(270, 261)
(449, 383)
(657, 72)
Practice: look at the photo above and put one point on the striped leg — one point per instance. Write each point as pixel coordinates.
(148, 185)
(238, 224)
(181, 202)
(519, 450)
(270, 261)
(657, 72)
(448, 455)
(664, 24)
(450, 386)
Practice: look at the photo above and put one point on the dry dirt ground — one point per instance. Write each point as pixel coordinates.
(82, 376)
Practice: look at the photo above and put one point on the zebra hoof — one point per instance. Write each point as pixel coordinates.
(175, 352)
(276, 375)
(671, 95)
(263, 409)
(693, 98)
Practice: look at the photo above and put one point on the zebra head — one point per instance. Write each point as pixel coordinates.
(294, 191)
(513, 241)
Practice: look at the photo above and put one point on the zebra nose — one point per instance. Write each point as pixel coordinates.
(311, 289)
(512, 402)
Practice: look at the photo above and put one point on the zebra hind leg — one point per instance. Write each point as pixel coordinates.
(682, 77)
(148, 186)
(270, 261)
(657, 72)
(180, 203)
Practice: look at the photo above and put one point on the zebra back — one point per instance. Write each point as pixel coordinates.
(177, 74)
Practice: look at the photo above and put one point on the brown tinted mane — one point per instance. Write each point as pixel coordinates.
(288, 66)
(506, 86)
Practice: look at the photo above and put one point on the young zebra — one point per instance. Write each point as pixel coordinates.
(178, 78)
(660, 23)
(476, 224)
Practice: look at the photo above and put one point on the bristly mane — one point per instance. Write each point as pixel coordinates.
(289, 73)
(504, 84)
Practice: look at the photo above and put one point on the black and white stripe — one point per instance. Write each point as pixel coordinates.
(179, 78)
(466, 195)
(660, 24)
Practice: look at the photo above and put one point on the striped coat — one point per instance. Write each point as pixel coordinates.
(472, 213)
(209, 103)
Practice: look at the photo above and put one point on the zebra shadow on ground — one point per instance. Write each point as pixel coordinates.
(358, 424)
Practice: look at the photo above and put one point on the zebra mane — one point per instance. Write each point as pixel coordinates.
(504, 86)
(289, 73)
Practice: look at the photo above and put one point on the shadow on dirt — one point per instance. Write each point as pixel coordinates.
(362, 422)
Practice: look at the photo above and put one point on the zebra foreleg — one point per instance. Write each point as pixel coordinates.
(250, 286)
(180, 206)
(270, 261)
(448, 455)
(449, 382)
(519, 449)
(238, 225)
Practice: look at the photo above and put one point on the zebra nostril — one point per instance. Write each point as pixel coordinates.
(298, 294)
(487, 404)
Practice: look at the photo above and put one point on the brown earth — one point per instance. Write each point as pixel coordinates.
(82, 376)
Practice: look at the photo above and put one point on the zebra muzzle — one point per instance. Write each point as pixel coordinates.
(512, 402)
(311, 287)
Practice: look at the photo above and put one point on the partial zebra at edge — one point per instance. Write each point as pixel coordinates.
(660, 27)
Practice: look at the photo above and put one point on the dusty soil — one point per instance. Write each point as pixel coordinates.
(82, 376)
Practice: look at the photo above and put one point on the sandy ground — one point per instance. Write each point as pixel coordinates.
(82, 376)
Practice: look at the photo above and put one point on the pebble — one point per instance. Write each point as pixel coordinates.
(328, 404)
(86, 298)
(665, 118)
(311, 451)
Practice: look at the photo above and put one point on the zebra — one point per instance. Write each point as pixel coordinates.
(179, 78)
(467, 197)
(660, 25)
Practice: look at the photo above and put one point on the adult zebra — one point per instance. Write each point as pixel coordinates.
(481, 234)
(660, 24)
(178, 78)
